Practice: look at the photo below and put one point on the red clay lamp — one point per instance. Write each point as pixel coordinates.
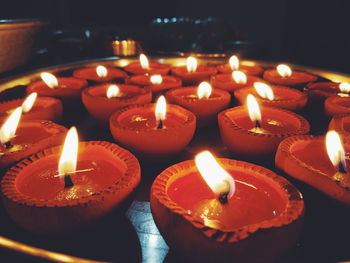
(337, 105)
(264, 129)
(103, 100)
(234, 64)
(145, 67)
(224, 209)
(317, 161)
(274, 96)
(100, 74)
(283, 75)
(202, 100)
(157, 83)
(192, 73)
(33, 108)
(19, 140)
(233, 81)
(341, 124)
(88, 184)
(153, 130)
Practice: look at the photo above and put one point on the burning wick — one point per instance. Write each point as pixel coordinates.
(254, 111)
(217, 178)
(335, 151)
(160, 111)
(8, 129)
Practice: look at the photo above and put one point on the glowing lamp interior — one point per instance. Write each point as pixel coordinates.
(8, 129)
(156, 79)
(160, 109)
(253, 109)
(234, 62)
(264, 90)
(191, 64)
(204, 90)
(284, 70)
(68, 160)
(29, 102)
(335, 149)
(216, 177)
(49, 79)
(101, 71)
(144, 62)
(239, 77)
(112, 91)
(344, 87)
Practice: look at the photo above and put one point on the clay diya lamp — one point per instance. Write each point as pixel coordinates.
(224, 209)
(254, 134)
(21, 139)
(86, 186)
(157, 83)
(274, 96)
(153, 130)
(336, 105)
(103, 100)
(341, 124)
(317, 162)
(33, 108)
(192, 73)
(100, 74)
(283, 75)
(66, 89)
(203, 101)
(233, 81)
(145, 67)
(235, 64)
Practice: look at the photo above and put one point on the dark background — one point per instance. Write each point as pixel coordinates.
(312, 33)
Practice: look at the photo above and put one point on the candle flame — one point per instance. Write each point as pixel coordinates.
(101, 71)
(216, 177)
(29, 102)
(335, 149)
(234, 62)
(144, 62)
(112, 91)
(49, 79)
(8, 129)
(344, 87)
(191, 64)
(68, 160)
(253, 109)
(239, 77)
(204, 90)
(264, 90)
(160, 109)
(284, 70)
(156, 79)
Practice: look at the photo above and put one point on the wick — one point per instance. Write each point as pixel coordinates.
(68, 181)
(160, 124)
(77, 171)
(223, 198)
(341, 168)
(257, 124)
(8, 145)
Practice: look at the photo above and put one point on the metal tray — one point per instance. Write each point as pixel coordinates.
(135, 238)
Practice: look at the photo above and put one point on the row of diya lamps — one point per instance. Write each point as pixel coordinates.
(207, 208)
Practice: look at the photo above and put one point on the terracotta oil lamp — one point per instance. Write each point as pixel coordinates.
(100, 74)
(145, 67)
(88, 184)
(225, 209)
(235, 64)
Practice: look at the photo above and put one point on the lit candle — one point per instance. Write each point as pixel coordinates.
(193, 73)
(59, 188)
(103, 100)
(145, 67)
(318, 161)
(235, 64)
(274, 96)
(203, 101)
(100, 74)
(221, 204)
(153, 130)
(263, 128)
(157, 83)
(285, 76)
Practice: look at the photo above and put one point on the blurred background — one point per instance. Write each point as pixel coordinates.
(312, 33)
